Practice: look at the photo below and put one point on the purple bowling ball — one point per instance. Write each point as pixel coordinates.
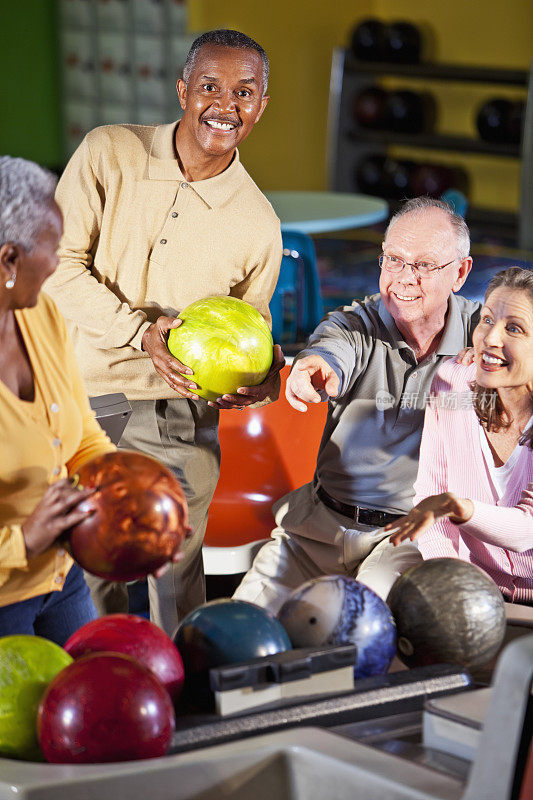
(335, 610)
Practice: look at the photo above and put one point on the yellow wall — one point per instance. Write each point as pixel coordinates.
(287, 150)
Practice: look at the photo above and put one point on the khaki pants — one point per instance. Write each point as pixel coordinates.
(312, 540)
(183, 435)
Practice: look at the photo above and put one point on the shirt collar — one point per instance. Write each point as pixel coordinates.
(452, 339)
(163, 166)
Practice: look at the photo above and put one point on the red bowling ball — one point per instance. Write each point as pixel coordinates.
(136, 637)
(139, 519)
(105, 707)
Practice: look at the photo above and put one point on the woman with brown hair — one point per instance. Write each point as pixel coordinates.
(474, 490)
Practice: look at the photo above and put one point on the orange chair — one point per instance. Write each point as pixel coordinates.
(266, 452)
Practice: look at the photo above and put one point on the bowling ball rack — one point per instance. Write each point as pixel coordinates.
(349, 143)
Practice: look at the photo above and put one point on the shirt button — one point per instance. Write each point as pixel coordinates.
(59, 579)
(162, 241)
(174, 214)
(61, 552)
(56, 471)
(54, 408)
(414, 375)
(56, 442)
(184, 185)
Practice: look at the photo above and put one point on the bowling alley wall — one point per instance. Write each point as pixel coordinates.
(287, 150)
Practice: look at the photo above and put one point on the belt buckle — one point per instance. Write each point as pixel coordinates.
(356, 514)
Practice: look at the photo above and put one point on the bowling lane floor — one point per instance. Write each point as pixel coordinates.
(347, 263)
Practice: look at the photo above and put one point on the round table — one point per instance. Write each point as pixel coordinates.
(323, 212)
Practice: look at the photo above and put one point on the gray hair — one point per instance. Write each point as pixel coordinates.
(26, 194)
(421, 205)
(225, 38)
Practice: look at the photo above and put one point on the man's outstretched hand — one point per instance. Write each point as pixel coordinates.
(309, 376)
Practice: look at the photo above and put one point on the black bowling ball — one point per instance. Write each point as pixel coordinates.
(515, 122)
(493, 119)
(385, 177)
(370, 108)
(369, 175)
(409, 112)
(397, 178)
(368, 40)
(403, 43)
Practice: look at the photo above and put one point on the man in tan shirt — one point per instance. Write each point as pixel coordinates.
(155, 218)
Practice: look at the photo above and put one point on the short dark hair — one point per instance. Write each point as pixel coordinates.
(225, 38)
(487, 404)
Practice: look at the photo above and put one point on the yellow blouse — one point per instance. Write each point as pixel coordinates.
(41, 442)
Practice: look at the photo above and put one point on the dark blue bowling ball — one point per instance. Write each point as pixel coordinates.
(335, 610)
(224, 632)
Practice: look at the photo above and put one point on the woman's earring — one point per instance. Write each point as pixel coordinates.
(11, 280)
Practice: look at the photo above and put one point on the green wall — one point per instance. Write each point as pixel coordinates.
(29, 92)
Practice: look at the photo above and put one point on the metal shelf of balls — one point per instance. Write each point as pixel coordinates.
(364, 120)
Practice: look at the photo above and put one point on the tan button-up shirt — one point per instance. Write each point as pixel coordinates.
(140, 241)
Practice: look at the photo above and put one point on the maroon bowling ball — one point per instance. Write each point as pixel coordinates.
(432, 180)
(136, 637)
(104, 707)
(370, 108)
(139, 518)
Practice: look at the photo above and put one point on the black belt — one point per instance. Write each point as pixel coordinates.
(366, 516)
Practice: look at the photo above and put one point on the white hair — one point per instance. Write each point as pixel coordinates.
(26, 195)
(421, 205)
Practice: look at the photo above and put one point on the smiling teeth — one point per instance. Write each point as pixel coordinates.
(222, 126)
(492, 359)
(403, 297)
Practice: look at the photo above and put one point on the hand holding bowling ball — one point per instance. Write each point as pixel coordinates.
(227, 344)
(335, 610)
(139, 517)
(27, 665)
(57, 511)
(105, 707)
(449, 611)
(136, 637)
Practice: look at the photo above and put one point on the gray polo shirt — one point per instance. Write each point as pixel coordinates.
(368, 455)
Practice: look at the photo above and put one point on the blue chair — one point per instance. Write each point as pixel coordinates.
(296, 304)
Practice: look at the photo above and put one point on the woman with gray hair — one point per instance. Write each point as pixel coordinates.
(47, 428)
(474, 490)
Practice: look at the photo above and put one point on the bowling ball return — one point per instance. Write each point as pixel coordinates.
(358, 745)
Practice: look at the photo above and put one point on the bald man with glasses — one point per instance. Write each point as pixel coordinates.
(374, 362)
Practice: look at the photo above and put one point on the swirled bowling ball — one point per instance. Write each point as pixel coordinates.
(27, 665)
(447, 610)
(226, 342)
(136, 637)
(335, 610)
(225, 632)
(139, 518)
(105, 707)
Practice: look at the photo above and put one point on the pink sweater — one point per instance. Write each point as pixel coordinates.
(499, 536)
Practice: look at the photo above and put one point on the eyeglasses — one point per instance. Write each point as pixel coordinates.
(423, 268)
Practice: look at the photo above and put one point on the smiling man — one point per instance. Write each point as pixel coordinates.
(374, 361)
(157, 217)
